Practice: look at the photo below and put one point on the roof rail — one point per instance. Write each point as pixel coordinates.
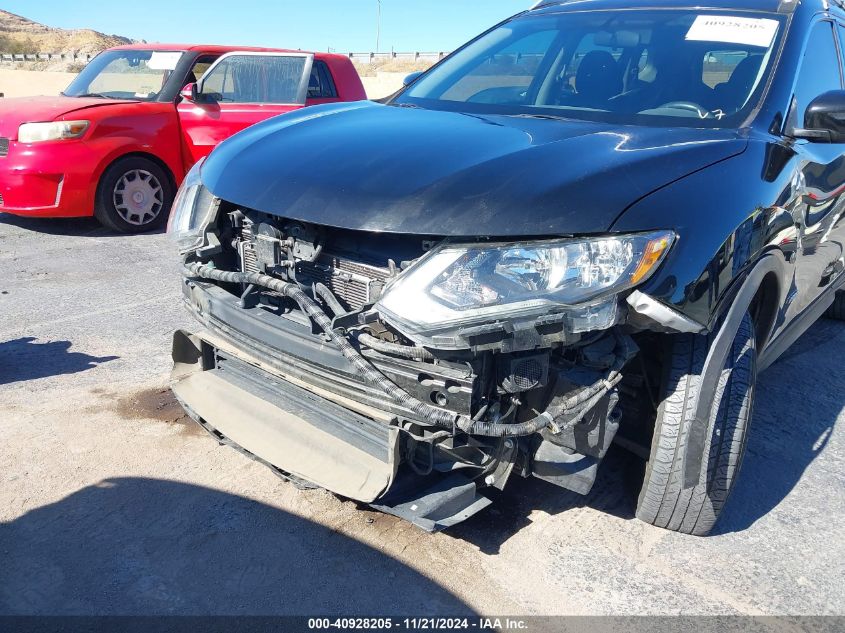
(548, 3)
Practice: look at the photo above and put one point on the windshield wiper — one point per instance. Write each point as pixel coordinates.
(550, 117)
(95, 95)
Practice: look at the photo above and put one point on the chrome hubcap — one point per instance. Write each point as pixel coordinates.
(138, 197)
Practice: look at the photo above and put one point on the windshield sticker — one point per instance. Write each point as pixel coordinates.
(163, 61)
(732, 30)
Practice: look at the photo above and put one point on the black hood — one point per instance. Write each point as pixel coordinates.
(394, 169)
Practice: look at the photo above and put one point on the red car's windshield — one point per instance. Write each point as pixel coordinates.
(125, 74)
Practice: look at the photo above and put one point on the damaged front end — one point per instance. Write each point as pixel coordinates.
(408, 372)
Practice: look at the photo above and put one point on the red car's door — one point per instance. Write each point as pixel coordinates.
(239, 90)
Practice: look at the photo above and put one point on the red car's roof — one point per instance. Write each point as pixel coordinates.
(212, 48)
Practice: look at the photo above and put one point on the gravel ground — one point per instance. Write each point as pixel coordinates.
(111, 502)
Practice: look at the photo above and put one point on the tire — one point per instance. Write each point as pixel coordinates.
(663, 501)
(134, 195)
(837, 308)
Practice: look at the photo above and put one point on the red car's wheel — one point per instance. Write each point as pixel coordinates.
(134, 195)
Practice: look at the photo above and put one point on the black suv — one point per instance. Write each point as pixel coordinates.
(591, 224)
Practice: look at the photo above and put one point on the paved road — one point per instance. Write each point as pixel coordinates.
(110, 502)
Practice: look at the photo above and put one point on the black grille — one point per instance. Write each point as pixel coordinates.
(4, 146)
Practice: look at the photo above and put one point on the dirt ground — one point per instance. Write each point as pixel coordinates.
(111, 502)
(24, 83)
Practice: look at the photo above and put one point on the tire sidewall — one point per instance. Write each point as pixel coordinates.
(105, 210)
(707, 499)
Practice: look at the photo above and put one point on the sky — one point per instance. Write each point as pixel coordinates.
(342, 25)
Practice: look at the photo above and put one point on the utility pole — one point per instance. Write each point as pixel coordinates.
(378, 27)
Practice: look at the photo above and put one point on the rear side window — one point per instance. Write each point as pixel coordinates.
(819, 71)
(321, 85)
(257, 79)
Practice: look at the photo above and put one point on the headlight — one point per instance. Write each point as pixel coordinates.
(55, 131)
(193, 209)
(459, 286)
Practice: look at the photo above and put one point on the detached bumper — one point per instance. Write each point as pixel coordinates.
(52, 179)
(234, 397)
(280, 423)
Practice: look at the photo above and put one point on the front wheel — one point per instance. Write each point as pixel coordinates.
(663, 500)
(134, 195)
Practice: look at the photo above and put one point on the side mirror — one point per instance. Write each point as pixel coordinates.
(411, 78)
(189, 92)
(824, 121)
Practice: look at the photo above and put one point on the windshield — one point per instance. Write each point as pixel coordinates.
(125, 74)
(674, 67)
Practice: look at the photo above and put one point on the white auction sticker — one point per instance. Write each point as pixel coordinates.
(732, 30)
(163, 61)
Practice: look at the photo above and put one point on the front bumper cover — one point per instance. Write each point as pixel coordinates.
(242, 401)
(52, 179)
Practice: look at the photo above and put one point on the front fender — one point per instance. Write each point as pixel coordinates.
(155, 132)
(727, 217)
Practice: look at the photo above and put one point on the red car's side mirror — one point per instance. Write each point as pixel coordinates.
(189, 92)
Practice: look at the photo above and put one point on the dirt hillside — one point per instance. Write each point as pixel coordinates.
(21, 35)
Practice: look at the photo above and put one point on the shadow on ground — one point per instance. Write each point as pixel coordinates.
(78, 227)
(612, 494)
(145, 546)
(22, 359)
(796, 409)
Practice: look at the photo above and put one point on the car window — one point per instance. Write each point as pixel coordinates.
(200, 67)
(198, 70)
(321, 85)
(508, 71)
(591, 46)
(257, 79)
(718, 66)
(819, 71)
(649, 67)
(126, 74)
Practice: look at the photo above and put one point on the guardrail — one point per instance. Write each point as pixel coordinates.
(369, 58)
(46, 57)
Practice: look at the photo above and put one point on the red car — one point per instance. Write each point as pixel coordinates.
(120, 139)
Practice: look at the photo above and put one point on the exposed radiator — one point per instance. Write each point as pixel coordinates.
(246, 249)
(355, 283)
